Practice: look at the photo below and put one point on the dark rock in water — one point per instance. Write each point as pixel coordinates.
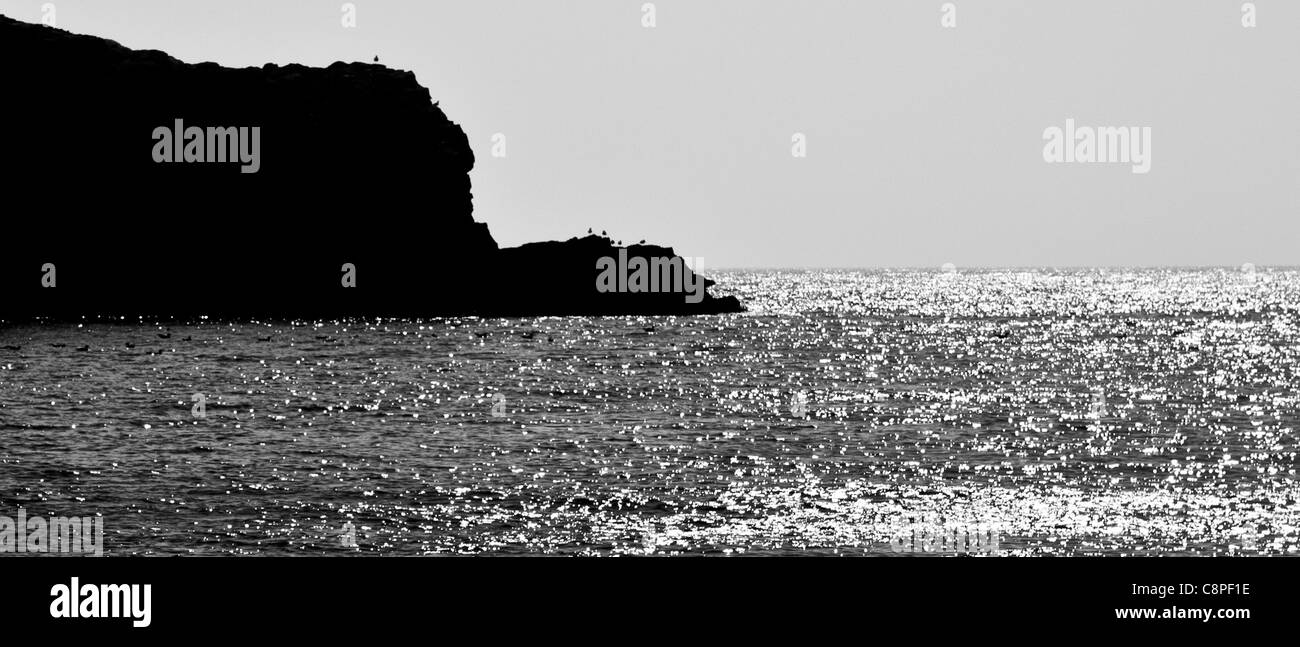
(568, 285)
(359, 176)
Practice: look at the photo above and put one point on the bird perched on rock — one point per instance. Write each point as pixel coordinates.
(642, 242)
(589, 230)
(602, 233)
(376, 58)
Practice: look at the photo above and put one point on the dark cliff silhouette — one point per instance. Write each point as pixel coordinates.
(356, 165)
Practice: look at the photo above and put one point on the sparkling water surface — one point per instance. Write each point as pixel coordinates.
(1113, 412)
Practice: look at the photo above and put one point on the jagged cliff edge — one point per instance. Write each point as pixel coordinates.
(356, 165)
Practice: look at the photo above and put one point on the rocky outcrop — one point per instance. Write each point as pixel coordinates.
(354, 164)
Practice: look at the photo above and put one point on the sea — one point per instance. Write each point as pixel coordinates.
(1075, 411)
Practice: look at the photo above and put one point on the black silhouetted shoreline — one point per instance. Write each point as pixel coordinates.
(356, 165)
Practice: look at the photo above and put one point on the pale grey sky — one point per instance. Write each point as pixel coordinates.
(924, 144)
